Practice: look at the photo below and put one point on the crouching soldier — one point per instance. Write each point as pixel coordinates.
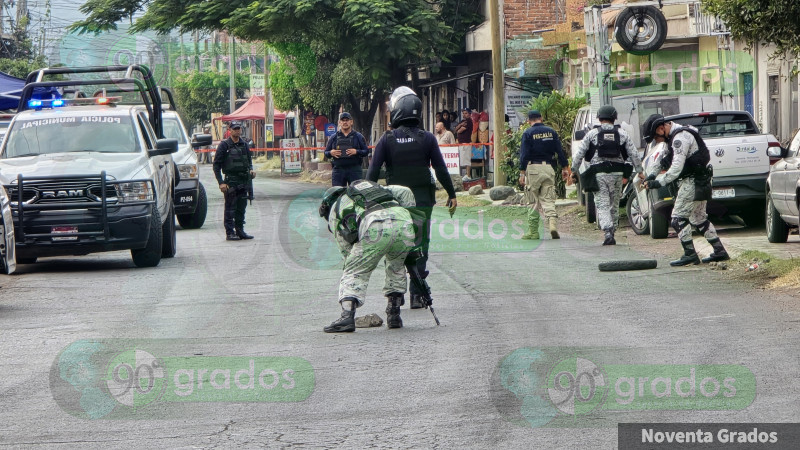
(370, 222)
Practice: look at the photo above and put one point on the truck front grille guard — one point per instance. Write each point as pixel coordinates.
(101, 205)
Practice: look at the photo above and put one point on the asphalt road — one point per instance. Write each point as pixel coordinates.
(512, 322)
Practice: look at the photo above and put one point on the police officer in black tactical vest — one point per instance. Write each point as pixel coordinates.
(408, 152)
(234, 160)
(345, 150)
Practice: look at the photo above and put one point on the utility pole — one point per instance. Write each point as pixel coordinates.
(599, 43)
(498, 91)
(269, 116)
(232, 71)
(22, 11)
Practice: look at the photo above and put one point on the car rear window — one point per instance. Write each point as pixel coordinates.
(721, 125)
(105, 134)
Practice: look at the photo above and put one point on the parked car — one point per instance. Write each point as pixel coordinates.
(86, 175)
(783, 192)
(191, 203)
(741, 157)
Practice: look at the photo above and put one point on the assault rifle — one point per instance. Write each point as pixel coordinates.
(416, 278)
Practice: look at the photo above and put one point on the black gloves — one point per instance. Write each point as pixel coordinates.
(653, 184)
(650, 177)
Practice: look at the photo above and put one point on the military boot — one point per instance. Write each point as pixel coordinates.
(242, 235)
(719, 253)
(553, 222)
(609, 238)
(346, 323)
(231, 236)
(533, 228)
(393, 311)
(689, 255)
(416, 301)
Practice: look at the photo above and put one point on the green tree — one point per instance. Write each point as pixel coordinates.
(558, 112)
(362, 48)
(198, 94)
(20, 68)
(761, 21)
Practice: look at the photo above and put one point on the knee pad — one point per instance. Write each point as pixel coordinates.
(679, 223)
(703, 227)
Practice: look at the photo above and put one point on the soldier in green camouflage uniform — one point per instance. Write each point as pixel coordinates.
(365, 236)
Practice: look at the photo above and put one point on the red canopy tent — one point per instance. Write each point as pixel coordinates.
(253, 109)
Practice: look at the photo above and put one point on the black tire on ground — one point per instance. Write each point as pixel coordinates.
(639, 223)
(150, 255)
(777, 230)
(634, 264)
(641, 38)
(591, 211)
(659, 225)
(198, 217)
(26, 260)
(169, 243)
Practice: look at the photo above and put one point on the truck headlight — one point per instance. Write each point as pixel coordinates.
(134, 191)
(187, 171)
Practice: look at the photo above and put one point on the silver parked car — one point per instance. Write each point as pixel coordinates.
(783, 185)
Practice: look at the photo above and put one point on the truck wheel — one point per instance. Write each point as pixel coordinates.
(659, 225)
(777, 230)
(169, 243)
(150, 255)
(634, 264)
(641, 30)
(591, 211)
(6, 266)
(639, 223)
(198, 217)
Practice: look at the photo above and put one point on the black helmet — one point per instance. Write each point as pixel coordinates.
(328, 199)
(649, 127)
(405, 108)
(607, 112)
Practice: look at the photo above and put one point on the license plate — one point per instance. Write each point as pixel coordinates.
(185, 199)
(723, 193)
(66, 232)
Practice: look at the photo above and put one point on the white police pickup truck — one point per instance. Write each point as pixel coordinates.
(87, 175)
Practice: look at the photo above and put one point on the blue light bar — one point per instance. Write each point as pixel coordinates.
(35, 103)
(57, 102)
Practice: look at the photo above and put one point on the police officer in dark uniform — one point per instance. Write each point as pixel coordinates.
(345, 150)
(234, 159)
(408, 152)
(537, 164)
